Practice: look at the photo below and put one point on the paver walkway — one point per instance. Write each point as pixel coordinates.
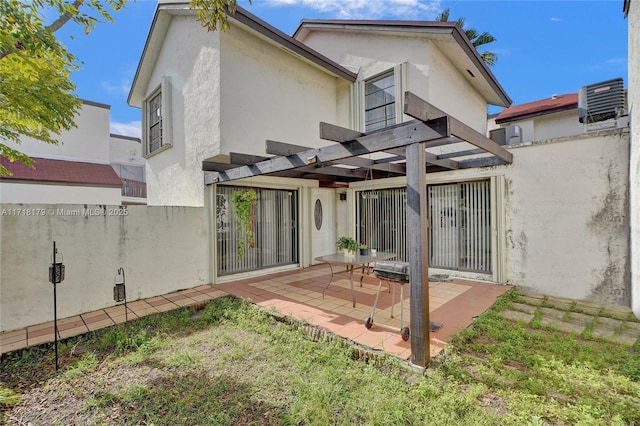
(610, 322)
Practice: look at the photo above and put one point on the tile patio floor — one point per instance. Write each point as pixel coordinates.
(299, 294)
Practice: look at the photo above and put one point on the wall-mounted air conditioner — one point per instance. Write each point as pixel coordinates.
(601, 101)
(509, 135)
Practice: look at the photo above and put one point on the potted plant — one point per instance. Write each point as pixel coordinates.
(244, 203)
(364, 249)
(348, 244)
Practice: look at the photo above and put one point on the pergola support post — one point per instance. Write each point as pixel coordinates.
(418, 245)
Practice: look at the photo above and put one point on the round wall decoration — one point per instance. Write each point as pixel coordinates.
(317, 214)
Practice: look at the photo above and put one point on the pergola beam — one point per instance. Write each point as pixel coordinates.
(431, 159)
(341, 134)
(422, 110)
(393, 137)
(281, 148)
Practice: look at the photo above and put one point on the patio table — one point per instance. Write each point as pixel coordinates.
(351, 262)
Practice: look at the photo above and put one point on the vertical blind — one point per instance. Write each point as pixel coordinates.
(275, 231)
(382, 220)
(460, 231)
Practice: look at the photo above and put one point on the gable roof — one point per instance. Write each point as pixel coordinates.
(556, 103)
(162, 19)
(63, 172)
(447, 36)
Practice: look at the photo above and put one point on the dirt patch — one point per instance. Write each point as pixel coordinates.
(517, 365)
(494, 404)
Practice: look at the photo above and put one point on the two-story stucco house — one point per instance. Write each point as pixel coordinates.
(552, 219)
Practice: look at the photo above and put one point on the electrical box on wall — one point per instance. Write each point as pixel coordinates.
(509, 135)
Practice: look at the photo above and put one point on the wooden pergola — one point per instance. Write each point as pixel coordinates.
(432, 142)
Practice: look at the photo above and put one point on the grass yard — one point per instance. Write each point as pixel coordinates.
(232, 363)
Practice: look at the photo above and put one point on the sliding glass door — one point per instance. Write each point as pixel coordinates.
(460, 219)
(273, 240)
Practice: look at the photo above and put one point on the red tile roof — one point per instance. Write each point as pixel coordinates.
(61, 171)
(545, 106)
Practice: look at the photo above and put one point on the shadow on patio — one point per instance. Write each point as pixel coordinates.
(299, 293)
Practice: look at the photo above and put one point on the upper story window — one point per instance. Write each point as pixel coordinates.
(380, 102)
(156, 119)
(155, 122)
(376, 102)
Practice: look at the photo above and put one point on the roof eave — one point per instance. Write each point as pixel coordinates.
(162, 19)
(499, 97)
(535, 114)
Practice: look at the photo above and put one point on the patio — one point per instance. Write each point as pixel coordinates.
(298, 293)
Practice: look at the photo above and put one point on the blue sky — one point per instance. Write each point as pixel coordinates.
(543, 47)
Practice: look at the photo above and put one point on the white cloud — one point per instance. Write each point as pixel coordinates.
(116, 88)
(367, 9)
(616, 61)
(554, 19)
(132, 128)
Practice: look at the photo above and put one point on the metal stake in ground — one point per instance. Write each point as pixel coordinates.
(56, 275)
(120, 291)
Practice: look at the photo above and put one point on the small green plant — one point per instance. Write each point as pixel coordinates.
(244, 204)
(347, 243)
(8, 397)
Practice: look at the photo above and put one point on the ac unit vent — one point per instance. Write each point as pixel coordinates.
(601, 101)
(509, 135)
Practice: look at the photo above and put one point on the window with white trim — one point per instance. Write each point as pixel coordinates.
(156, 119)
(376, 102)
(380, 102)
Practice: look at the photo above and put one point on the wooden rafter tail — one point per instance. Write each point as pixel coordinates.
(446, 163)
(245, 159)
(214, 166)
(281, 148)
(422, 110)
(334, 133)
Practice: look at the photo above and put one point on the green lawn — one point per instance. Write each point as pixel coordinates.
(233, 363)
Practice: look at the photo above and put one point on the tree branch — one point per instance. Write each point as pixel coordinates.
(53, 27)
(64, 18)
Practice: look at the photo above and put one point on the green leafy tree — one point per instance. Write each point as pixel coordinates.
(36, 91)
(476, 38)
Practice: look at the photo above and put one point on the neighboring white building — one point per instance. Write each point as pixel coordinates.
(554, 220)
(89, 165)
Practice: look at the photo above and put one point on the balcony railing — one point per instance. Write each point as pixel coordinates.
(134, 188)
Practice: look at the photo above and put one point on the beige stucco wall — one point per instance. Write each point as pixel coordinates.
(430, 74)
(161, 249)
(230, 92)
(566, 217)
(27, 192)
(561, 226)
(634, 176)
(266, 93)
(189, 56)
